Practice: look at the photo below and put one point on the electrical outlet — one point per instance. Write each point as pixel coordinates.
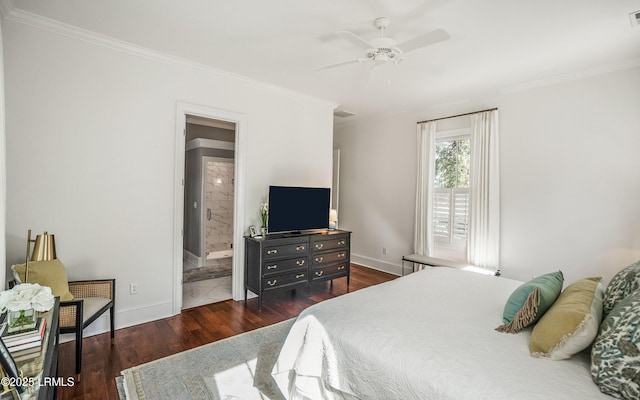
(384, 251)
(133, 288)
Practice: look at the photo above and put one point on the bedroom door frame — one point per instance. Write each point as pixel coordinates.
(240, 121)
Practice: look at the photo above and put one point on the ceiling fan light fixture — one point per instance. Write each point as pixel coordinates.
(383, 50)
(380, 59)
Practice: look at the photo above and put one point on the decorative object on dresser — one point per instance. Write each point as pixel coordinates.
(264, 215)
(287, 261)
(333, 219)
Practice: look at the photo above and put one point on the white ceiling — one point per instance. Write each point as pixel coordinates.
(495, 44)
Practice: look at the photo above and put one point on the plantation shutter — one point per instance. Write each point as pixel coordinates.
(441, 214)
(460, 214)
(450, 215)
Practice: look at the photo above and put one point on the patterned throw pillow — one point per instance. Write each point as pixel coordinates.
(615, 355)
(623, 284)
(530, 301)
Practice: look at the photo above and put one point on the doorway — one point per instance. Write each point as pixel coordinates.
(240, 151)
(209, 190)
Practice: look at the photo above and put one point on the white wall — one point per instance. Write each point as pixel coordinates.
(570, 175)
(91, 155)
(570, 170)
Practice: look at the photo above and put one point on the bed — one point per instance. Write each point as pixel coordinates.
(428, 335)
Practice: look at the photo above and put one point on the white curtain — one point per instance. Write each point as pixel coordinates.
(483, 249)
(423, 228)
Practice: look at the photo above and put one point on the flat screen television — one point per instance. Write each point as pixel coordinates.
(295, 209)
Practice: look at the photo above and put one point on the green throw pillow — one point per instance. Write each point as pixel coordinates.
(615, 355)
(572, 322)
(530, 301)
(622, 285)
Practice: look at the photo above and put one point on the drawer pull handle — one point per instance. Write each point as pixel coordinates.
(319, 273)
(274, 251)
(340, 255)
(319, 259)
(341, 243)
(272, 266)
(300, 262)
(299, 248)
(299, 276)
(319, 245)
(272, 283)
(340, 268)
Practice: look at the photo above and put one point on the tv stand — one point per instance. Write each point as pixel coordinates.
(288, 261)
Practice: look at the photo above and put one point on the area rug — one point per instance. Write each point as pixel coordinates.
(238, 367)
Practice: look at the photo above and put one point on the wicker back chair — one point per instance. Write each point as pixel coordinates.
(91, 299)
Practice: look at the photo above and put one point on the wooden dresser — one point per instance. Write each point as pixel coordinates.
(288, 261)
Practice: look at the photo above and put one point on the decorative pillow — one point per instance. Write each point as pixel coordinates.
(623, 284)
(47, 273)
(530, 301)
(615, 355)
(572, 322)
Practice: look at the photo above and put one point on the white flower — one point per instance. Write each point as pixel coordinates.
(264, 213)
(26, 296)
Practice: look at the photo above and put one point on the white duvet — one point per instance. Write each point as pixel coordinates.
(429, 335)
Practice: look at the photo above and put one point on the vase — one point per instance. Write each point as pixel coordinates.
(263, 231)
(22, 320)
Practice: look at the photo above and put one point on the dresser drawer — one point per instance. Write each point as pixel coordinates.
(339, 242)
(328, 271)
(285, 250)
(327, 258)
(277, 281)
(278, 266)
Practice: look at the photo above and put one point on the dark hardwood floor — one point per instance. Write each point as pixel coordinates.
(194, 327)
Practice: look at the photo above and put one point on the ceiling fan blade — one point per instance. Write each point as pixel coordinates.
(355, 39)
(359, 60)
(439, 35)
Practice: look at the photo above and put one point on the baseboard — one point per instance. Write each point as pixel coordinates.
(125, 318)
(192, 258)
(380, 265)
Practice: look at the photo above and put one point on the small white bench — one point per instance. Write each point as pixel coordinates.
(431, 261)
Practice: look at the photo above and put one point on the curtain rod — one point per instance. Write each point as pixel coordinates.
(459, 115)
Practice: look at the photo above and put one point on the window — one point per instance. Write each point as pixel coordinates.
(451, 191)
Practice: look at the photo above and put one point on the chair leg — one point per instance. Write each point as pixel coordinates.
(113, 325)
(79, 352)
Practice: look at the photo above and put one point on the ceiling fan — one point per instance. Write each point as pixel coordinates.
(383, 50)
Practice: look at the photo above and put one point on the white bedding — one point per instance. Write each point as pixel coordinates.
(429, 335)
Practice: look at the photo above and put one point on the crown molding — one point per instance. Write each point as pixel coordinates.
(506, 90)
(11, 13)
(572, 76)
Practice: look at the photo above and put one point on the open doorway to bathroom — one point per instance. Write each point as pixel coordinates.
(208, 212)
